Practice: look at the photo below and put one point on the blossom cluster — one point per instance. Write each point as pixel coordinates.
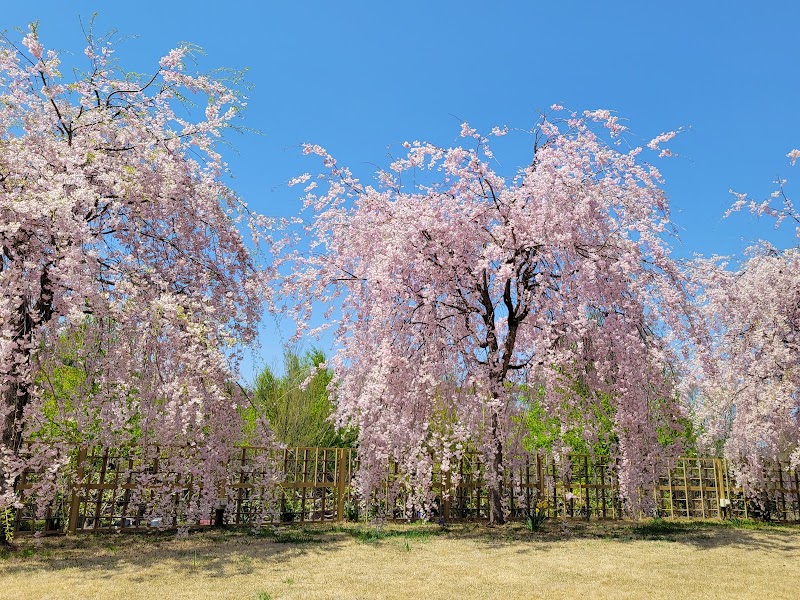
(469, 295)
(122, 263)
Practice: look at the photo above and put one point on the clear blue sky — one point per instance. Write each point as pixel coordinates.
(357, 77)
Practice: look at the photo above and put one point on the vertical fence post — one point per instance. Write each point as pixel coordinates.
(797, 491)
(720, 483)
(75, 498)
(341, 476)
(539, 478)
(448, 483)
(671, 491)
(702, 474)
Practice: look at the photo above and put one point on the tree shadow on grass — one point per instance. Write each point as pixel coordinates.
(717, 534)
(221, 553)
(209, 553)
(701, 535)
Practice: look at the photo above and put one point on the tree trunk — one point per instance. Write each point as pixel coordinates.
(14, 399)
(496, 516)
(10, 440)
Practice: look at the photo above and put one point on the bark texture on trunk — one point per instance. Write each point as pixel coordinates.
(496, 514)
(14, 399)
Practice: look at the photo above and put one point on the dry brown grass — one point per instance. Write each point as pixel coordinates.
(607, 560)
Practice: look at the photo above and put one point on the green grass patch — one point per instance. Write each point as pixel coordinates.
(291, 536)
(695, 525)
(677, 529)
(369, 535)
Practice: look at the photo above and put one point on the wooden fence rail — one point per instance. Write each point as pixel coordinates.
(102, 489)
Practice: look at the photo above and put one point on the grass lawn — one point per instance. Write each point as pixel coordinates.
(651, 559)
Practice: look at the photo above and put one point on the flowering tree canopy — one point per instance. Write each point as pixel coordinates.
(461, 288)
(117, 234)
(749, 368)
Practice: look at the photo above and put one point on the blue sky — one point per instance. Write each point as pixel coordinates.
(357, 77)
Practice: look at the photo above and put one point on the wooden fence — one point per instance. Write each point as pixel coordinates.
(102, 490)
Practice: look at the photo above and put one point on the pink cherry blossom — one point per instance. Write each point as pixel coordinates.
(463, 294)
(747, 367)
(121, 256)
(748, 372)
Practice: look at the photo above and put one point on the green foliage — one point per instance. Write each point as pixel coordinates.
(682, 431)
(544, 429)
(297, 404)
(536, 515)
(351, 510)
(66, 384)
(7, 524)
(597, 413)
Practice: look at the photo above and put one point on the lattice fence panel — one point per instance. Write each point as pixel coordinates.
(108, 489)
